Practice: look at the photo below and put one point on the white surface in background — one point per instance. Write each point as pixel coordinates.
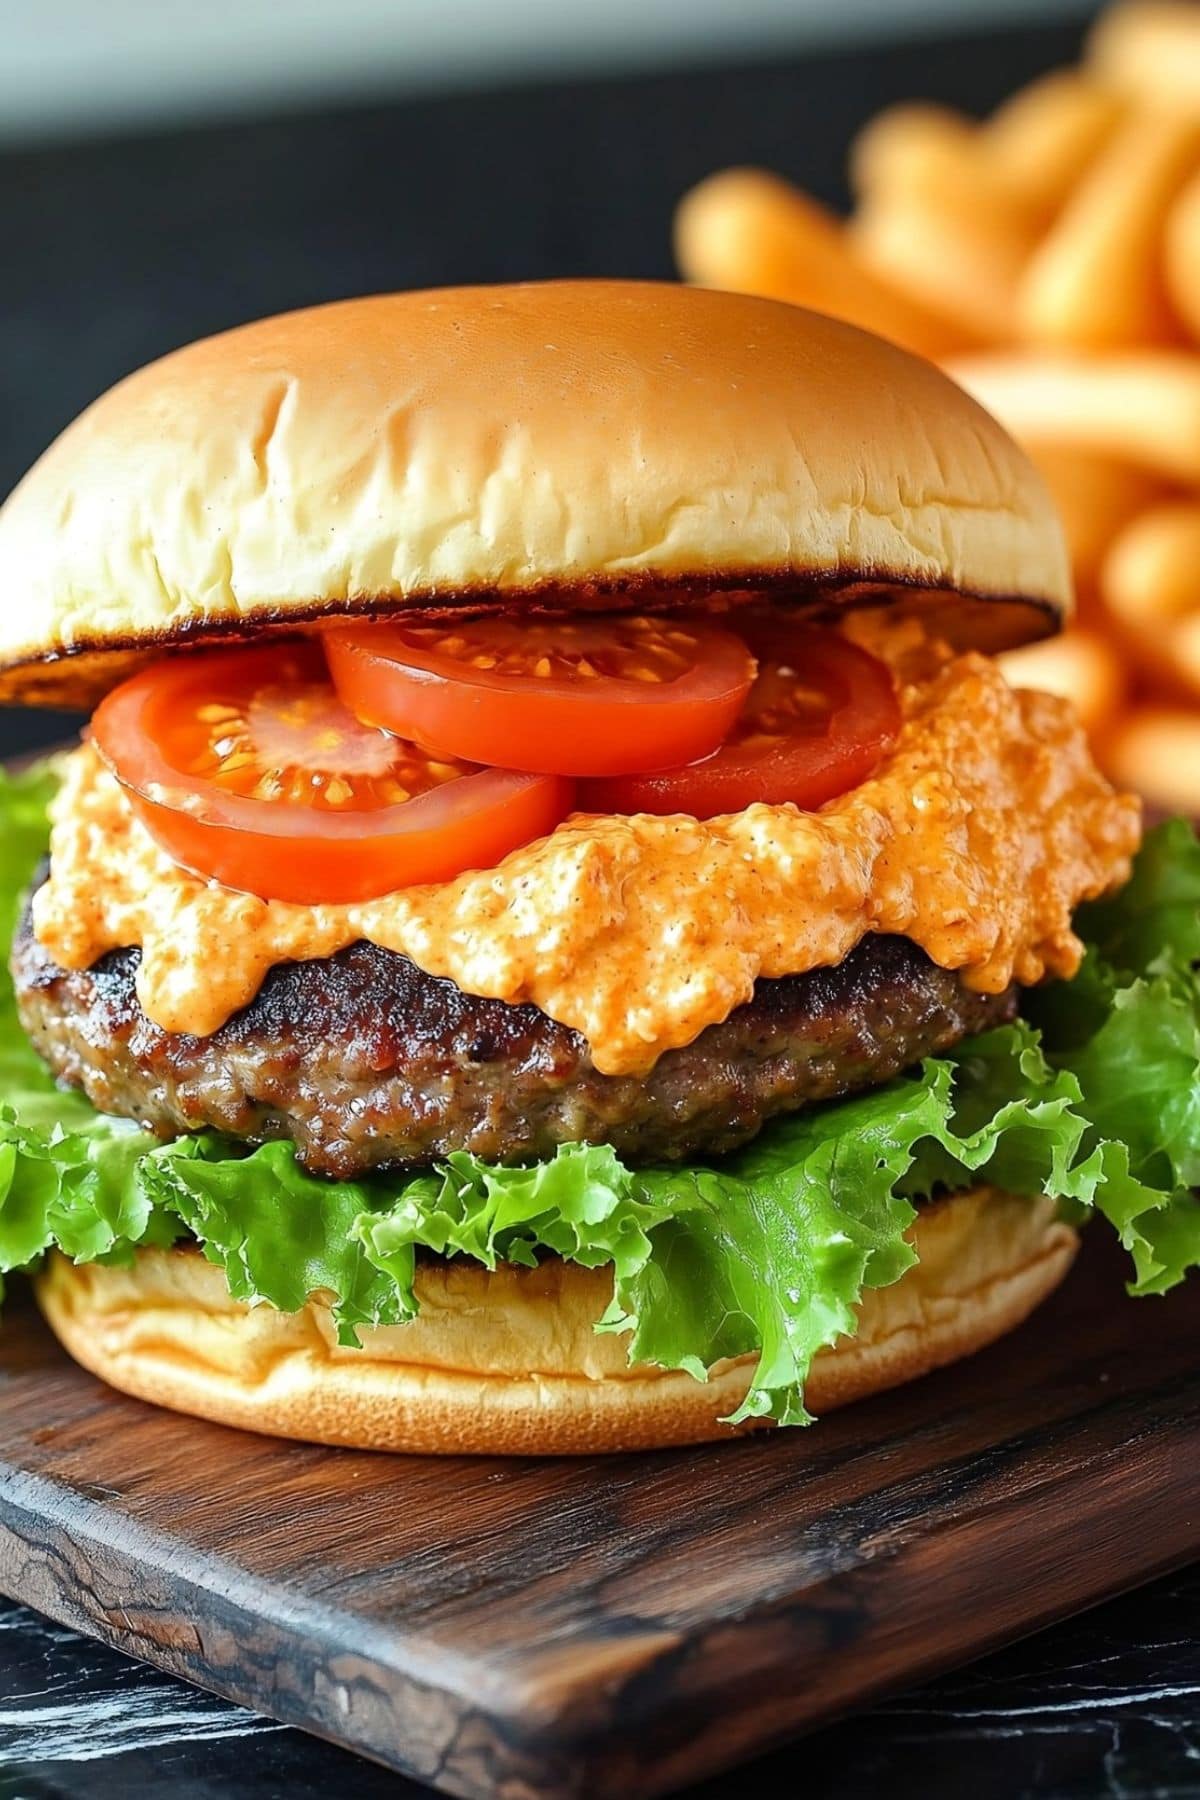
(73, 65)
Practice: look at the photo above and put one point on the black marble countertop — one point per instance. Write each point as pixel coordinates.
(116, 251)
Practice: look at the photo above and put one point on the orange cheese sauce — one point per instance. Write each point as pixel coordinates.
(977, 838)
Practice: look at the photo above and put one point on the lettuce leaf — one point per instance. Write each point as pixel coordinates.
(1094, 1098)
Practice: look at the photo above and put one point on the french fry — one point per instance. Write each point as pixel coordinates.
(754, 233)
(1150, 586)
(915, 147)
(1150, 50)
(1151, 576)
(945, 248)
(1142, 407)
(1155, 750)
(1096, 497)
(1184, 648)
(1183, 255)
(1049, 258)
(1040, 142)
(1081, 666)
(934, 221)
(1097, 279)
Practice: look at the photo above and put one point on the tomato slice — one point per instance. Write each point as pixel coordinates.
(247, 769)
(819, 719)
(556, 696)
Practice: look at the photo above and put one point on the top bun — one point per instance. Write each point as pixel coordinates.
(549, 446)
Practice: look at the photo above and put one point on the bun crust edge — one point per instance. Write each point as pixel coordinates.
(509, 1363)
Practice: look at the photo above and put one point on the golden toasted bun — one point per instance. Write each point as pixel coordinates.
(510, 1363)
(566, 444)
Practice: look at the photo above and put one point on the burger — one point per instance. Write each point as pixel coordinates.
(559, 935)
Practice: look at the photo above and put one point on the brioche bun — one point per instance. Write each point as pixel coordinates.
(509, 1363)
(551, 446)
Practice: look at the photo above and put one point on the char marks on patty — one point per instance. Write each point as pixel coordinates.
(367, 1063)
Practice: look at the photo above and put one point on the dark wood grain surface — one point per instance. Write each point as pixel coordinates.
(1100, 1707)
(612, 1627)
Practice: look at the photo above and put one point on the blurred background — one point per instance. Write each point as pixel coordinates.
(74, 66)
(169, 169)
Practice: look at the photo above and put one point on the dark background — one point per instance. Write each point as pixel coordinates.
(114, 252)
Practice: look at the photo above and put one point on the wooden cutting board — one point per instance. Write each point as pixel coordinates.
(612, 1627)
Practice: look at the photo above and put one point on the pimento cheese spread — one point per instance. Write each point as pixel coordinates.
(976, 838)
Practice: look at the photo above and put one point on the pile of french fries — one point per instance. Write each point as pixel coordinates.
(1049, 258)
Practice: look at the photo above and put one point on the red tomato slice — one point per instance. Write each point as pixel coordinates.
(820, 717)
(557, 696)
(247, 769)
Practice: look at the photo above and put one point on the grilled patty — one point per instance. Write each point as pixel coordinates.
(367, 1063)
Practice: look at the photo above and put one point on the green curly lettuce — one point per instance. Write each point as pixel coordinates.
(1094, 1099)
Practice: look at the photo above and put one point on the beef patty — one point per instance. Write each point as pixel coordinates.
(365, 1062)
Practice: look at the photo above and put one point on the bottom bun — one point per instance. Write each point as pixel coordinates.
(509, 1363)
